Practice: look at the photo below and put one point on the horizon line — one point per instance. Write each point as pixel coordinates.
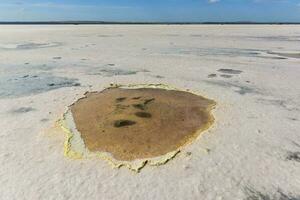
(94, 22)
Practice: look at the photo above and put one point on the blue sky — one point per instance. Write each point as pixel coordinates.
(151, 10)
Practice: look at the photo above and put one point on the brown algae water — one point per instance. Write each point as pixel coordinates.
(140, 123)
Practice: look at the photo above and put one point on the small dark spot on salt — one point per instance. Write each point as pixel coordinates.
(158, 76)
(136, 98)
(44, 120)
(76, 84)
(57, 58)
(25, 76)
(186, 167)
(212, 75)
(296, 144)
(188, 153)
(23, 110)
(293, 156)
(230, 71)
(252, 194)
(278, 58)
(225, 76)
(258, 131)
(292, 118)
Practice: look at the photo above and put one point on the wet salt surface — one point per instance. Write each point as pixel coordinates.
(239, 88)
(230, 71)
(22, 110)
(29, 45)
(295, 38)
(286, 54)
(231, 52)
(111, 70)
(17, 86)
(114, 72)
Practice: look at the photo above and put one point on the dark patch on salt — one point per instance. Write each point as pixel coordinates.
(241, 89)
(276, 38)
(32, 45)
(230, 71)
(229, 52)
(296, 144)
(226, 75)
(252, 194)
(286, 104)
(212, 75)
(114, 72)
(293, 156)
(22, 110)
(274, 58)
(157, 76)
(292, 118)
(289, 55)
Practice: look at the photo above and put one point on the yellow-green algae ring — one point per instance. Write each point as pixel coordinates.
(75, 147)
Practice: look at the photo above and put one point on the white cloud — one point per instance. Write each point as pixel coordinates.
(213, 1)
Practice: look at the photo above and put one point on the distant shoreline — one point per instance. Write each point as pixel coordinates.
(143, 23)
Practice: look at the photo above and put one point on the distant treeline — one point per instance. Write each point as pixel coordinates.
(142, 23)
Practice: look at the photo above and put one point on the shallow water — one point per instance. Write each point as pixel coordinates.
(140, 123)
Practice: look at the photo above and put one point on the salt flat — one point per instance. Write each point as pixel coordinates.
(251, 71)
